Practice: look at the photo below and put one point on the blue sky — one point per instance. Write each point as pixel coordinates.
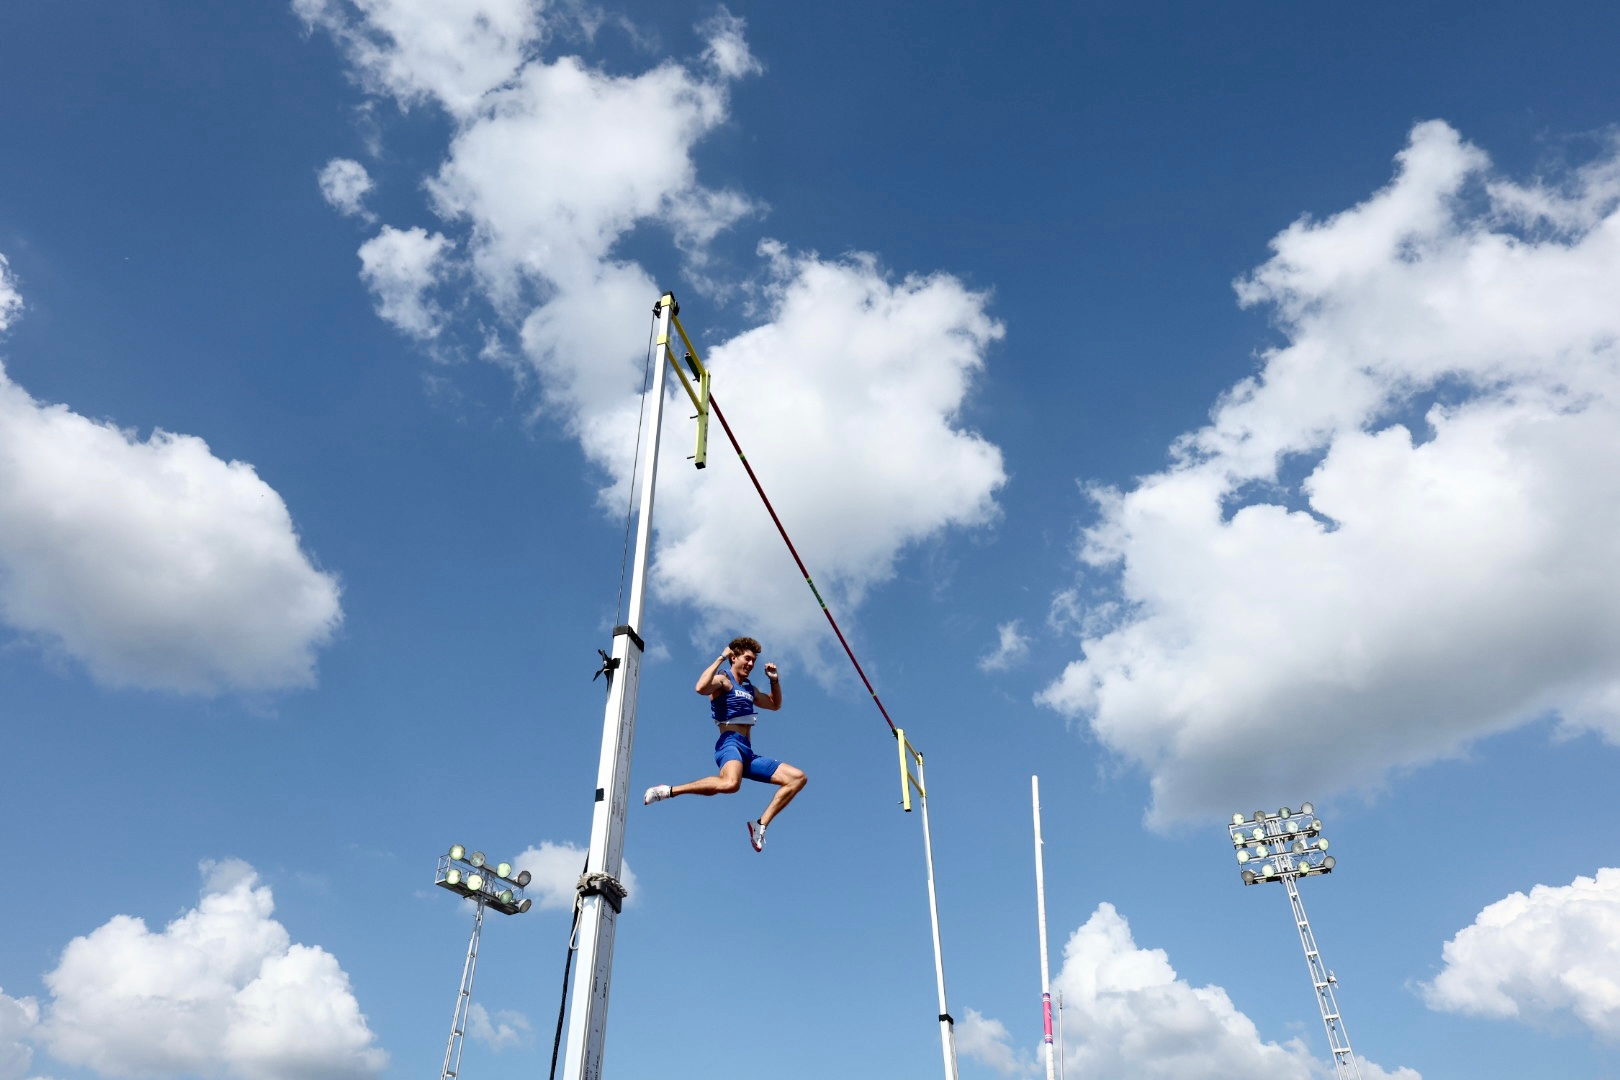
(1204, 409)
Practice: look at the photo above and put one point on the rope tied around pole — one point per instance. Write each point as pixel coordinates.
(604, 885)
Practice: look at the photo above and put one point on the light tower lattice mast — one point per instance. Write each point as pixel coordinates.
(468, 876)
(1285, 847)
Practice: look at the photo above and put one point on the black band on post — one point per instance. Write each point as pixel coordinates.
(947, 1018)
(635, 637)
(600, 794)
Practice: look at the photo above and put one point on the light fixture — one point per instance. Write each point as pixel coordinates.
(504, 870)
(453, 877)
(457, 851)
(523, 880)
(475, 882)
(1286, 851)
(523, 905)
(506, 896)
(477, 858)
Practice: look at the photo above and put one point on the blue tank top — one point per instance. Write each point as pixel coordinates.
(736, 707)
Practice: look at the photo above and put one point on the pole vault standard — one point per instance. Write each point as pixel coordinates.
(600, 892)
(1040, 918)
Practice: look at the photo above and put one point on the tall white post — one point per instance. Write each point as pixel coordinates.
(947, 1028)
(600, 892)
(1040, 911)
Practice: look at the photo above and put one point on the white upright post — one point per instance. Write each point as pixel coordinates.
(947, 1028)
(600, 891)
(1040, 912)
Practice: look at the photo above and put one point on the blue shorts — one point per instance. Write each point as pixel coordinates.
(734, 746)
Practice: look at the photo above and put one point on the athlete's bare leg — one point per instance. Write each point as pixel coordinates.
(729, 780)
(789, 782)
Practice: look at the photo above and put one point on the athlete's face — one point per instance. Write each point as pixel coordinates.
(742, 663)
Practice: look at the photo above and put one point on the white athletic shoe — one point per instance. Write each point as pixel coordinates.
(656, 793)
(756, 835)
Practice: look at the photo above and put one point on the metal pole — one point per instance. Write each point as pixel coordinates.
(1344, 1061)
(947, 1028)
(1040, 910)
(587, 1020)
(458, 1020)
(1061, 1054)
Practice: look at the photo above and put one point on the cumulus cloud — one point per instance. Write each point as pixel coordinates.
(1395, 538)
(498, 1030)
(420, 51)
(152, 561)
(555, 869)
(1012, 648)
(10, 299)
(344, 185)
(222, 990)
(543, 180)
(989, 1043)
(19, 1017)
(399, 266)
(1130, 1014)
(1554, 953)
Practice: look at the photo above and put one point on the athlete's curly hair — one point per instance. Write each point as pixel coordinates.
(746, 643)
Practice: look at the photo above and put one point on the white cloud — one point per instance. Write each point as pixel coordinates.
(499, 1030)
(1129, 1014)
(344, 185)
(541, 183)
(1554, 952)
(1012, 648)
(153, 562)
(1450, 384)
(555, 869)
(221, 990)
(400, 266)
(428, 50)
(19, 1017)
(989, 1043)
(10, 299)
(860, 458)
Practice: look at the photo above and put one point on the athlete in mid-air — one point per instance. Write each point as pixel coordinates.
(733, 701)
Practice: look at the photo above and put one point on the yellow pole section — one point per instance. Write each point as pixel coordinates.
(905, 773)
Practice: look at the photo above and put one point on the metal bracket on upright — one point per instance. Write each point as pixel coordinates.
(699, 394)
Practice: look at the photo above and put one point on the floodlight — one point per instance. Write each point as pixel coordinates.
(506, 896)
(453, 877)
(475, 882)
(504, 870)
(457, 851)
(523, 905)
(477, 858)
(1287, 851)
(523, 879)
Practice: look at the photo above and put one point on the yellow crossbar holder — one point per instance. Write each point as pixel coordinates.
(699, 393)
(907, 780)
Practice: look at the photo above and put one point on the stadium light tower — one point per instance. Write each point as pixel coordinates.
(1286, 846)
(497, 887)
